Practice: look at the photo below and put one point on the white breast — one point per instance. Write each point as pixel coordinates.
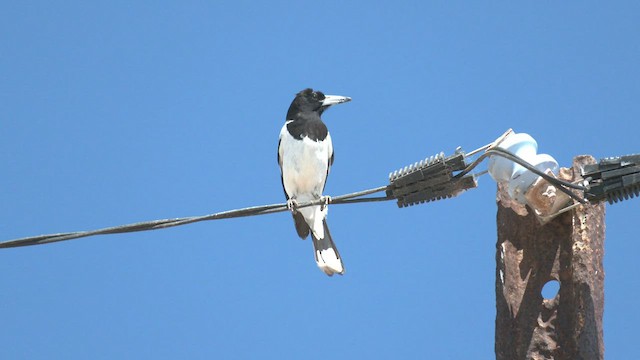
(304, 165)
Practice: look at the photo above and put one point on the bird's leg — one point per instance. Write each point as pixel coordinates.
(292, 205)
(326, 201)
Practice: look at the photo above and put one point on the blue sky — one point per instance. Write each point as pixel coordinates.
(122, 112)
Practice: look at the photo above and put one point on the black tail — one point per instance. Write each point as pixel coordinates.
(326, 253)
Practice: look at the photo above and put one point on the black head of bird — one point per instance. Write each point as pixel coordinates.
(309, 101)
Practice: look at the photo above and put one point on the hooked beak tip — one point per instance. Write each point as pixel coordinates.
(334, 100)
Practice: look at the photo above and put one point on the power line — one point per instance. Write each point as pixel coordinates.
(429, 180)
(355, 197)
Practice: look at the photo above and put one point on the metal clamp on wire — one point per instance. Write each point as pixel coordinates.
(430, 179)
(613, 179)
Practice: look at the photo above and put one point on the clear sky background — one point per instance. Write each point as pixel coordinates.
(130, 111)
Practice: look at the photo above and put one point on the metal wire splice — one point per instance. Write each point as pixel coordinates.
(613, 179)
(430, 179)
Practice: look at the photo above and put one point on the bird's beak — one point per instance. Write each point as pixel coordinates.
(334, 99)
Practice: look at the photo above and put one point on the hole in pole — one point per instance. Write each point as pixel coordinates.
(550, 289)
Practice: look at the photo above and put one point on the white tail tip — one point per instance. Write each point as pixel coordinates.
(329, 262)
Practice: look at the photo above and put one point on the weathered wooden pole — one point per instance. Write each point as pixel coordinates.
(568, 249)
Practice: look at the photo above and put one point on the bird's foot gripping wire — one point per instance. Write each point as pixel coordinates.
(326, 200)
(292, 205)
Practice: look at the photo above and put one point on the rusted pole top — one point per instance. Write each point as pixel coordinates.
(568, 249)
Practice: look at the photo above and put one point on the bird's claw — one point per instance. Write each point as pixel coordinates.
(326, 201)
(292, 205)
